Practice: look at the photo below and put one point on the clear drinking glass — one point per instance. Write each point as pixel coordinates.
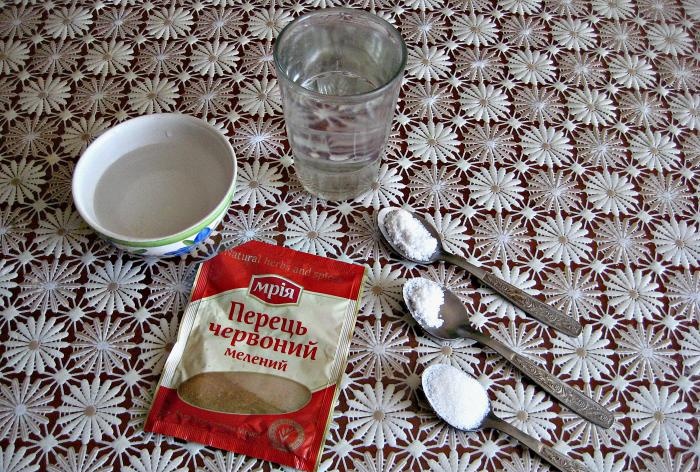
(340, 72)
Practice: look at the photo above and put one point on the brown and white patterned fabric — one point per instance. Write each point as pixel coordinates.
(555, 142)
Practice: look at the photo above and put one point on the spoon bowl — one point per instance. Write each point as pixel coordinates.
(381, 220)
(433, 398)
(490, 420)
(454, 316)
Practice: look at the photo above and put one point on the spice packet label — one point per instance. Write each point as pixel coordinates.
(260, 352)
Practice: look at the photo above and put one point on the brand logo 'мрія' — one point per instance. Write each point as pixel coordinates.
(274, 290)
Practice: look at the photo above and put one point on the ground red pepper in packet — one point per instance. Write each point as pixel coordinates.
(261, 349)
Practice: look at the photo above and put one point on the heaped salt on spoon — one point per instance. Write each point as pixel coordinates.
(462, 402)
(425, 298)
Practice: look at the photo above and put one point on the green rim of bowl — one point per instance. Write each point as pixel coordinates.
(184, 234)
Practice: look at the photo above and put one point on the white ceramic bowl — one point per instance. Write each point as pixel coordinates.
(157, 184)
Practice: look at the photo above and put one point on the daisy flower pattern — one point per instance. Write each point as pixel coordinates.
(433, 142)
(13, 55)
(500, 238)
(116, 286)
(632, 72)
(531, 67)
(554, 143)
(90, 410)
(379, 415)
(261, 98)
(585, 357)
(44, 96)
(434, 188)
(633, 294)
(573, 292)
(109, 58)
(459, 353)
(266, 24)
(62, 233)
(621, 240)
(36, 345)
(428, 63)
(385, 191)
(525, 409)
(591, 107)
(153, 96)
(611, 193)
(20, 181)
(657, 414)
(686, 110)
(169, 23)
(649, 354)
(245, 226)
(214, 59)
(546, 146)
(684, 293)
(257, 138)
(563, 240)
(430, 101)
(102, 346)
(68, 22)
(380, 351)
(496, 189)
(258, 183)
(655, 151)
(24, 408)
(574, 34)
(489, 144)
(315, 233)
(551, 190)
(50, 286)
(485, 103)
(640, 108)
(475, 30)
(538, 104)
(678, 243)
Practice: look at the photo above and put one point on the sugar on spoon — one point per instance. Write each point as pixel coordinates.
(451, 321)
(529, 304)
(461, 401)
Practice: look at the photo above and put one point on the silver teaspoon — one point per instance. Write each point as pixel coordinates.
(529, 304)
(557, 459)
(455, 325)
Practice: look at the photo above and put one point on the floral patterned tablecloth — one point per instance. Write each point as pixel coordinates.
(555, 142)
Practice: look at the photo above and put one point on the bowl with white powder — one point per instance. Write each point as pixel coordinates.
(407, 235)
(457, 398)
(156, 185)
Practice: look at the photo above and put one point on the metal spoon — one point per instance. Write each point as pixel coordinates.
(455, 324)
(529, 304)
(557, 459)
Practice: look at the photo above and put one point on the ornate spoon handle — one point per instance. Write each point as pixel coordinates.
(529, 304)
(557, 459)
(568, 396)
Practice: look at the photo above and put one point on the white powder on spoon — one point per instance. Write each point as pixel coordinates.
(456, 397)
(409, 235)
(424, 298)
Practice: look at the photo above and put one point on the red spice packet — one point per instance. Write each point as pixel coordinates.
(261, 349)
